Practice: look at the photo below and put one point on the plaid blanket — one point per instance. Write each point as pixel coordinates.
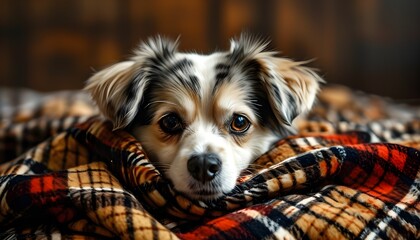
(351, 172)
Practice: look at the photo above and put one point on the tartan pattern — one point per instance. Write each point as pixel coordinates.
(81, 180)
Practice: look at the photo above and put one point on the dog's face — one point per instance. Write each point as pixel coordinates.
(203, 118)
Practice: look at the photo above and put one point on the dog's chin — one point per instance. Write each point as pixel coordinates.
(205, 191)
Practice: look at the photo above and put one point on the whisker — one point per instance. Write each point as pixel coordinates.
(161, 166)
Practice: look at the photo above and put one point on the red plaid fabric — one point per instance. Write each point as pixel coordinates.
(85, 181)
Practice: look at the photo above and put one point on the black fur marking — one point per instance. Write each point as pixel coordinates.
(276, 92)
(221, 77)
(252, 67)
(145, 112)
(293, 111)
(222, 74)
(195, 84)
(258, 98)
(183, 66)
(182, 71)
(222, 66)
(154, 66)
(165, 49)
(179, 71)
(237, 55)
(130, 92)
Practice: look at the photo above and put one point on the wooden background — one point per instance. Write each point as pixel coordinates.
(372, 45)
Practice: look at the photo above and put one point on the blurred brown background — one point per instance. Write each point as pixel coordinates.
(372, 45)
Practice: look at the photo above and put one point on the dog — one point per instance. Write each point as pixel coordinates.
(202, 119)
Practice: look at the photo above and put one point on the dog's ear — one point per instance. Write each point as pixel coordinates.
(299, 84)
(118, 89)
(291, 88)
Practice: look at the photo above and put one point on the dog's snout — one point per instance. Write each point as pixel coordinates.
(204, 167)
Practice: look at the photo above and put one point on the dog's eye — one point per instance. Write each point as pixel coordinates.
(171, 124)
(239, 124)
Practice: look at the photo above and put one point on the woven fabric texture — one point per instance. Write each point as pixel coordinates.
(351, 172)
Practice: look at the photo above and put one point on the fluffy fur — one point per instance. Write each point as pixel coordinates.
(204, 118)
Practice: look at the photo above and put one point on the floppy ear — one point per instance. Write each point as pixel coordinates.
(300, 85)
(291, 88)
(118, 89)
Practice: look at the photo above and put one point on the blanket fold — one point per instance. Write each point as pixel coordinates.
(74, 177)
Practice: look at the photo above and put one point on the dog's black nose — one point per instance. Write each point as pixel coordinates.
(204, 167)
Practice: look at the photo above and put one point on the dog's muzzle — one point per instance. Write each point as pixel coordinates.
(204, 167)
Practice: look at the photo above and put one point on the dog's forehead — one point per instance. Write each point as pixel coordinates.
(204, 65)
(207, 73)
(210, 70)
